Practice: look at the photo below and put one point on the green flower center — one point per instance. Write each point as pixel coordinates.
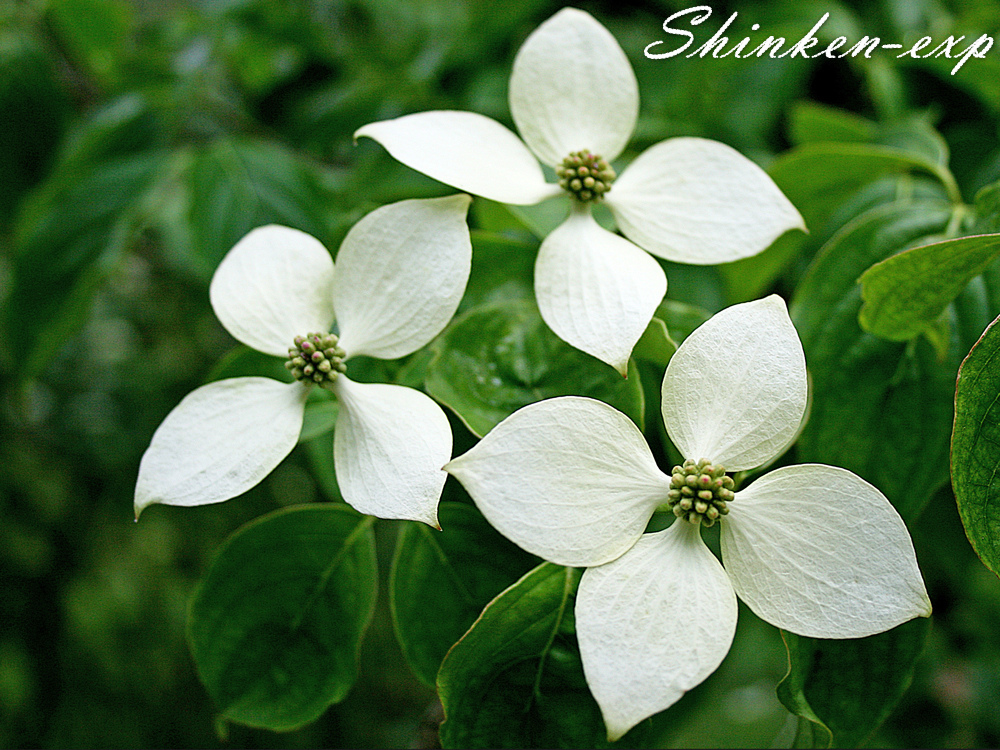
(316, 358)
(700, 492)
(585, 176)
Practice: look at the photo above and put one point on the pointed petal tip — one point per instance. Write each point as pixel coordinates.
(928, 609)
(431, 519)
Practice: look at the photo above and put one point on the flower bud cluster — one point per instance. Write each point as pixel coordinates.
(700, 492)
(585, 176)
(316, 358)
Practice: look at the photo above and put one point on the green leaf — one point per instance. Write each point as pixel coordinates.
(818, 177)
(975, 446)
(655, 343)
(229, 187)
(515, 680)
(825, 679)
(241, 361)
(905, 294)
(96, 32)
(672, 322)
(33, 112)
(987, 209)
(502, 269)
(750, 278)
(441, 580)
(809, 122)
(72, 236)
(276, 624)
(812, 732)
(320, 417)
(880, 409)
(498, 357)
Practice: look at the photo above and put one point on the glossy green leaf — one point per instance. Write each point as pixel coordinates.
(276, 624)
(501, 356)
(917, 137)
(975, 447)
(905, 294)
(809, 122)
(515, 680)
(845, 689)
(880, 409)
(441, 580)
(818, 177)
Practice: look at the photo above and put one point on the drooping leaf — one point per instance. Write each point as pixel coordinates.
(515, 680)
(975, 446)
(880, 409)
(276, 624)
(824, 677)
(501, 356)
(441, 580)
(904, 294)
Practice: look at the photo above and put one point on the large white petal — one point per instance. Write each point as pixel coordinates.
(401, 272)
(569, 479)
(275, 284)
(693, 200)
(219, 441)
(388, 449)
(653, 624)
(465, 150)
(596, 290)
(572, 88)
(735, 390)
(818, 551)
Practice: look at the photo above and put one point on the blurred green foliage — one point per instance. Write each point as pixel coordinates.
(139, 140)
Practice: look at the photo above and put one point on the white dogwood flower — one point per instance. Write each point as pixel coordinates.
(810, 548)
(400, 274)
(575, 101)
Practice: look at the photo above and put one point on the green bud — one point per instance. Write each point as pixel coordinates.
(316, 358)
(585, 176)
(699, 491)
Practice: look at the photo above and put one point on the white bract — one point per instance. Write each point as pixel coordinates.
(400, 274)
(810, 548)
(689, 200)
